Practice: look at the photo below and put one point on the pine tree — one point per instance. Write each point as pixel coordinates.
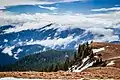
(50, 68)
(79, 49)
(55, 68)
(75, 56)
(66, 64)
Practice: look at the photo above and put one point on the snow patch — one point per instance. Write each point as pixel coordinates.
(85, 64)
(85, 59)
(1, 47)
(8, 50)
(98, 50)
(85, 67)
(15, 56)
(19, 50)
(12, 78)
(111, 63)
(107, 46)
(5, 40)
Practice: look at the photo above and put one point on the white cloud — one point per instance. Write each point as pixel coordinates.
(71, 0)
(53, 42)
(49, 8)
(2, 7)
(101, 31)
(117, 5)
(22, 2)
(32, 2)
(107, 9)
(95, 23)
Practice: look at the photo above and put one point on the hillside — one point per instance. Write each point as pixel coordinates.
(111, 52)
(39, 61)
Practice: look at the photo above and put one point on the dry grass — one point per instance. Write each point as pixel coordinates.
(91, 73)
(111, 50)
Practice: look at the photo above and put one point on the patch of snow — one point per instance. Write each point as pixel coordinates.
(1, 46)
(107, 46)
(20, 43)
(8, 50)
(89, 42)
(5, 40)
(73, 68)
(84, 67)
(15, 56)
(111, 63)
(31, 40)
(83, 62)
(85, 59)
(19, 50)
(66, 56)
(96, 57)
(12, 78)
(98, 50)
(44, 49)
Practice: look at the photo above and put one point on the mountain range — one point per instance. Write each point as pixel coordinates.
(19, 44)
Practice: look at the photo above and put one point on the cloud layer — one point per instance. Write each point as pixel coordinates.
(49, 8)
(26, 2)
(98, 24)
(95, 23)
(107, 9)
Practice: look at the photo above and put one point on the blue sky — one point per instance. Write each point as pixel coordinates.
(61, 6)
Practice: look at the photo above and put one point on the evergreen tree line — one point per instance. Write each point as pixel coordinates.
(83, 51)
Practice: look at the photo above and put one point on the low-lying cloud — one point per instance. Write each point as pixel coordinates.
(48, 8)
(107, 9)
(95, 23)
